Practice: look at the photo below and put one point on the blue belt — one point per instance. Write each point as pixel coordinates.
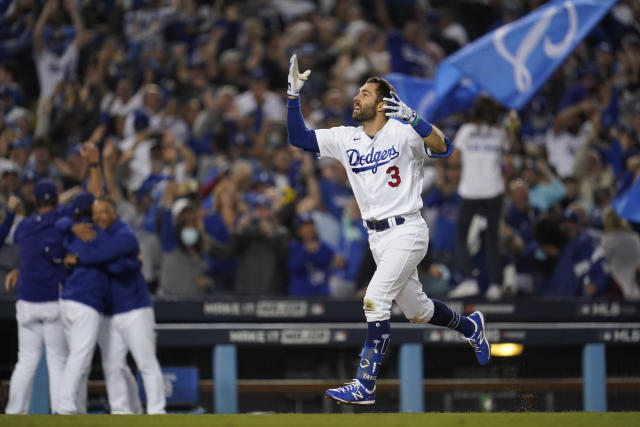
(383, 224)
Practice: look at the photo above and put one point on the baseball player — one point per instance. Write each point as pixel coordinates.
(122, 387)
(82, 305)
(383, 159)
(40, 275)
(133, 319)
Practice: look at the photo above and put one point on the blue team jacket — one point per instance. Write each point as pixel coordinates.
(86, 284)
(41, 253)
(128, 289)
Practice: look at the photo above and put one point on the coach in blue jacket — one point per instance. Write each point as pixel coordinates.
(83, 302)
(133, 319)
(41, 273)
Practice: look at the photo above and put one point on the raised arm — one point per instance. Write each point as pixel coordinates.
(438, 145)
(78, 24)
(168, 232)
(108, 167)
(91, 154)
(190, 161)
(566, 116)
(299, 135)
(38, 41)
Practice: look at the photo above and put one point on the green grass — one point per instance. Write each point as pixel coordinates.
(537, 419)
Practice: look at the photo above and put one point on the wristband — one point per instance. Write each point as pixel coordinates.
(446, 153)
(422, 127)
(94, 165)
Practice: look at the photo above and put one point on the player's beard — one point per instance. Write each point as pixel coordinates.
(364, 114)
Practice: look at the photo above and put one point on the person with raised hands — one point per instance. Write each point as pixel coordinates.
(384, 163)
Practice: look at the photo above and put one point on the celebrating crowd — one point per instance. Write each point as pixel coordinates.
(185, 101)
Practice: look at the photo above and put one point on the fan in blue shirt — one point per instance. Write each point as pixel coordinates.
(310, 260)
(568, 264)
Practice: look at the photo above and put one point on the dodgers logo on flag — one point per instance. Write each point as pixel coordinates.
(513, 61)
(538, 32)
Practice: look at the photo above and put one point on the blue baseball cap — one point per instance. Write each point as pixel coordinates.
(307, 49)
(265, 178)
(258, 74)
(74, 149)
(46, 189)
(140, 121)
(28, 175)
(604, 47)
(303, 218)
(24, 142)
(254, 200)
(263, 200)
(240, 139)
(82, 202)
(570, 215)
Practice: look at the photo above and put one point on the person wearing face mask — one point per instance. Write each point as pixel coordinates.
(184, 266)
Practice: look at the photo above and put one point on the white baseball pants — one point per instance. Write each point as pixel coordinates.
(397, 252)
(122, 387)
(38, 323)
(81, 323)
(136, 329)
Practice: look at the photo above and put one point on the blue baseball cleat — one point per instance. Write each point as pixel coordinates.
(478, 339)
(354, 393)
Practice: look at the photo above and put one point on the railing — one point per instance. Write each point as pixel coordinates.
(225, 337)
(300, 323)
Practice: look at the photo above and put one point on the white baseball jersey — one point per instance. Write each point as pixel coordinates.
(385, 172)
(481, 148)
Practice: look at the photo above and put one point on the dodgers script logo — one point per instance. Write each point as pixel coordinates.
(371, 160)
(521, 73)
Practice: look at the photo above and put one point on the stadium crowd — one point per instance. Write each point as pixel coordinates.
(186, 101)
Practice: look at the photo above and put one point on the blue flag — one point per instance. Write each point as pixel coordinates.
(513, 61)
(627, 205)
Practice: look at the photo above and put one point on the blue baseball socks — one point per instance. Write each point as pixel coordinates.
(376, 344)
(444, 316)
